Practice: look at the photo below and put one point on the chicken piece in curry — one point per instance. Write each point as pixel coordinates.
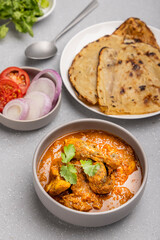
(112, 177)
(90, 150)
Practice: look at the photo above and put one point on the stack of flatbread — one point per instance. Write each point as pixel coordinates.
(120, 72)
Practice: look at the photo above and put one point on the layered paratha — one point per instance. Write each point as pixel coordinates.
(83, 71)
(125, 40)
(128, 80)
(134, 28)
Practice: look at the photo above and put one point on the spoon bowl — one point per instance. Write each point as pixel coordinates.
(45, 49)
(41, 50)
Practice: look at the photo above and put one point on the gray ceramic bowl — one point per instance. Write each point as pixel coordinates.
(27, 125)
(89, 219)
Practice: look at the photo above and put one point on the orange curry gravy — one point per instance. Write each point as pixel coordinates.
(127, 175)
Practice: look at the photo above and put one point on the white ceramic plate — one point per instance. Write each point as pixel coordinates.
(48, 11)
(77, 43)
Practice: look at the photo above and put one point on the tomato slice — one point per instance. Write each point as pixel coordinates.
(9, 90)
(17, 75)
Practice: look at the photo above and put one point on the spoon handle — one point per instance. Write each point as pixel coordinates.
(80, 16)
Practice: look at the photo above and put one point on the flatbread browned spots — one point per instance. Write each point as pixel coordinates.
(83, 71)
(130, 54)
(128, 80)
(134, 28)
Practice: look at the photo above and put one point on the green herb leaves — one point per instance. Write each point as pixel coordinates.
(22, 13)
(44, 3)
(69, 153)
(3, 31)
(89, 168)
(69, 172)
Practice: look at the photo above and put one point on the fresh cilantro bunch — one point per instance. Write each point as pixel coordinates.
(22, 13)
(68, 171)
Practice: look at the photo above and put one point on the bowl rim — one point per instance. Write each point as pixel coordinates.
(35, 177)
(37, 119)
(53, 2)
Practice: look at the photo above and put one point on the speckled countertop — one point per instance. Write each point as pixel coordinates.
(22, 216)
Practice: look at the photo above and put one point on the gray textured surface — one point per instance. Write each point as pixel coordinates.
(22, 216)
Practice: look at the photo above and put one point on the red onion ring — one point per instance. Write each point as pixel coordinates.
(16, 109)
(39, 104)
(58, 80)
(45, 85)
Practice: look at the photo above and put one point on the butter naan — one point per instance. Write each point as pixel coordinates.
(128, 80)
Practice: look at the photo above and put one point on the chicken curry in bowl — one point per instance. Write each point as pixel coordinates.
(90, 171)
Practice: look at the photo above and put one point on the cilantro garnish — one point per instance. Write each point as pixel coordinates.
(68, 171)
(22, 13)
(89, 168)
(69, 153)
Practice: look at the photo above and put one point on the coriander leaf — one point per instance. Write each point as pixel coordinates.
(18, 27)
(69, 173)
(17, 15)
(5, 9)
(28, 28)
(3, 31)
(89, 168)
(44, 3)
(22, 13)
(69, 153)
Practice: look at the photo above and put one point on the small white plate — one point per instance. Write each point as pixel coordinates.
(48, 11)
(81, 39)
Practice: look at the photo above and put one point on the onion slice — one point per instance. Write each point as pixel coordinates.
(57, 79)
(16, 109)
(44, 85)
(39, 104)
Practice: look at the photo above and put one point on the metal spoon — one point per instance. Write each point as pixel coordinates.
(45, 49)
